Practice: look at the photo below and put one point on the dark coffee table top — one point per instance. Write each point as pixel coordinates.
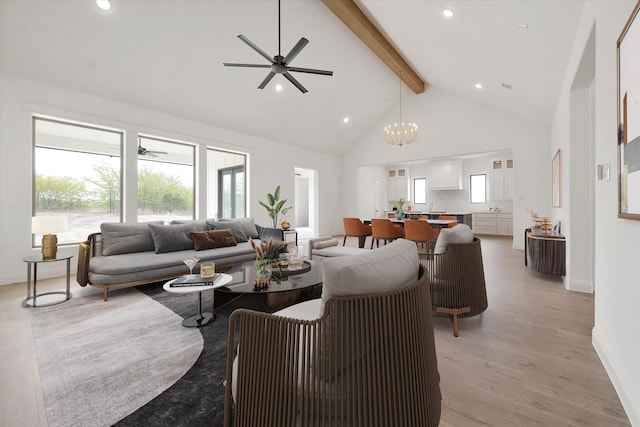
(244, 273)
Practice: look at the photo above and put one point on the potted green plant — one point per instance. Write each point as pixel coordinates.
(275, 207)
(400, 204)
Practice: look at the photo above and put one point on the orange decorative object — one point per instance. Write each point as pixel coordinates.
(285, 225)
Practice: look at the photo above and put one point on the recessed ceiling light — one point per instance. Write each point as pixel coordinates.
(346, 120)
(448, 13)
(522, 25)
(278, 87)
(478, 85)
(104, 4)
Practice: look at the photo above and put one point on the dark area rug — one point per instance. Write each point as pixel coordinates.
(197, 399)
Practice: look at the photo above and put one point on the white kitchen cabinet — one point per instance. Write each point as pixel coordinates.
(397, 185)
(501, 180)
(484, 223)
(504, 224)
(445, 176)
(492, 223)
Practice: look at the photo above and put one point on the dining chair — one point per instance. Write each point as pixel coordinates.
(383, 228)
(353, 227)
(419, 231)
(450, 217)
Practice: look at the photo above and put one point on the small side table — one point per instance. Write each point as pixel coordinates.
(290, 235)
(30, 301)
(201, 318)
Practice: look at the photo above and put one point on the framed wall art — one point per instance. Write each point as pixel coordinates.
(628, 64)
(556, 180)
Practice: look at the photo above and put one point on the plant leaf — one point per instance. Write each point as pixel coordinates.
(276, 193)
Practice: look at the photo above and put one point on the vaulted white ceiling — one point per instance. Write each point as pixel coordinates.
(168, 55)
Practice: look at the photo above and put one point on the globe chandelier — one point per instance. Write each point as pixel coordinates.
(401, 133)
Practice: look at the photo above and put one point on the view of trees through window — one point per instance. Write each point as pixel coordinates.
(165, 180)
(77, 175)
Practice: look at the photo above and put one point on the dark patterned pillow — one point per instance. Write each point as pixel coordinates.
(213, 239)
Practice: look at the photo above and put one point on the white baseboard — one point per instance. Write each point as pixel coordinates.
(581, 286)
(630, 403)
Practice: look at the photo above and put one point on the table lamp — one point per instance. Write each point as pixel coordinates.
(47, 226)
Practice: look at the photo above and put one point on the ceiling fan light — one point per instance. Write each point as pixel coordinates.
(104, 4)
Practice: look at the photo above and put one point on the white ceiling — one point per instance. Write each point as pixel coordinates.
(167, 56)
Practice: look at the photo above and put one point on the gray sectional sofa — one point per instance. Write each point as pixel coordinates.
(130, 254)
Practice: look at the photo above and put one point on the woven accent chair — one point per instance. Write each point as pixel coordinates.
(353, 227)
(384, 229)
(369, 360)
(456, 276)
(419, 231)
(451, 217)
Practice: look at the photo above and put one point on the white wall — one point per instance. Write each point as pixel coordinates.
(450, 125)
(617, 283)
(20, 98)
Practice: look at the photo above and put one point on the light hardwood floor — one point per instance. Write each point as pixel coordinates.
(526, 361)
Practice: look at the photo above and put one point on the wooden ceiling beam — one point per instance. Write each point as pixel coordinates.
(349, 13)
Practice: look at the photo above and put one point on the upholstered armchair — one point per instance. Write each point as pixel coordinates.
(363, 354)
(450, 217)
(419, 231)
(353, 227)
(456, 276)
(384, 229)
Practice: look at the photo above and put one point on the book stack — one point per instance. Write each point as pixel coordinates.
(194, 280)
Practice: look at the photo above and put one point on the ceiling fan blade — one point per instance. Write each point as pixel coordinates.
(266, 80)
(295, 82)
(296, 50)
(256, 48)
(227, 64)
(310, 71)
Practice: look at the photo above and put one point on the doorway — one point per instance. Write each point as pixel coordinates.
(305, 203)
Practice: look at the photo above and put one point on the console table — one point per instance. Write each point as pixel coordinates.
(545, 253)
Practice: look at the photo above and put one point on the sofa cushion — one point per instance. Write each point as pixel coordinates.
(236, 227)
(212, 239)
(248, 225)
(390, 267)
(124, 238)
(196, 224)
(171, 238)
(461, 233)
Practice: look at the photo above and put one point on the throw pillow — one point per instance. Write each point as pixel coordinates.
(124, 238)
(248, 226)
(325, 244)
(171, 238)
(196, 225)
(213, 239)
(461, 233)
(236, 228)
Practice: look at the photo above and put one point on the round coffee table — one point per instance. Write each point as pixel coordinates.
(201, 318)
(282, 291)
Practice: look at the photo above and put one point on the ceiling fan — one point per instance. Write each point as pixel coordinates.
(144, 152)
(280, 64)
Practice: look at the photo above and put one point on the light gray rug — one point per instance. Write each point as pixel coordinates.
(87, 377)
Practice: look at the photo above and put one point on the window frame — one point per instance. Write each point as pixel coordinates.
(415, 197)
(471, 192)
(35, 118)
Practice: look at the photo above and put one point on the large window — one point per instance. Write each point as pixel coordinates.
(420, 190)
(76, 173)
(226, 189)
(478, 188)
(166, 177)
